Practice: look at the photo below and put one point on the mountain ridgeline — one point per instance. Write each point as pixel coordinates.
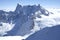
(23, 18)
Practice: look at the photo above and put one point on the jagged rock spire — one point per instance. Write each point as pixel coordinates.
(18, 7)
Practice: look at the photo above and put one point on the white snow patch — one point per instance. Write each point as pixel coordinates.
(5, 27)
(11, 38)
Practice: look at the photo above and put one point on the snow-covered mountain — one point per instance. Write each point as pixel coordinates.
(27, 20)
(21, 20)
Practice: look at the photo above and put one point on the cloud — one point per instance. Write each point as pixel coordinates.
(49, 21)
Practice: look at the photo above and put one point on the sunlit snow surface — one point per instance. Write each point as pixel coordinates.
(40, 23)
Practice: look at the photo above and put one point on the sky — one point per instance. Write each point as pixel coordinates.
(11, 4)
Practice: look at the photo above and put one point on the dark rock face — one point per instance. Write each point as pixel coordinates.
(52, 33)
(22, 18)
